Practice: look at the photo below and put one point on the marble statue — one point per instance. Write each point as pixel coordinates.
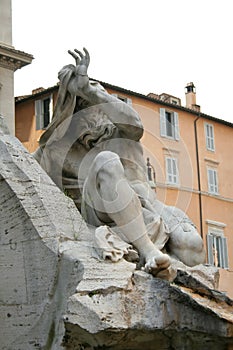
(92, 150)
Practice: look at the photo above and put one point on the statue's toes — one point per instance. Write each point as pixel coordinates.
(163, 261)
(160, 267)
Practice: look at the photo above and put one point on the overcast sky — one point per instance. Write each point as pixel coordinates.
(141, 45)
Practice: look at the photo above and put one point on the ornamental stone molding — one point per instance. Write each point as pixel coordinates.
(13, 59)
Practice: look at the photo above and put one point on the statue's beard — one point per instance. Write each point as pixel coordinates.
(93, 137)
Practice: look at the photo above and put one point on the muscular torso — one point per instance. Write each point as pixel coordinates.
(79, 159)
(87, 136)
(81, 153)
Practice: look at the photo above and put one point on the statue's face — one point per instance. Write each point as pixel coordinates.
(92, 127)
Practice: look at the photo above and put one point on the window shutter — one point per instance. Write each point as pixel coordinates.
(162, 122)
(225, 252)
(209, 134)
(172, 170)
(212, 138)
(210, 180)
(176, 126)
(215, 181)
(169, 169)
(129, 101)
(51, 107)
(175, 171)
(39, 115)
(210, 244)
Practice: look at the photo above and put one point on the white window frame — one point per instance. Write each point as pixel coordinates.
(209, 137)
(172, 172)
(39, 112)
(174, 125)
(123, 98)
(213, 187)
(217, 248)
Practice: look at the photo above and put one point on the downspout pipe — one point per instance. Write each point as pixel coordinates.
(198, 175)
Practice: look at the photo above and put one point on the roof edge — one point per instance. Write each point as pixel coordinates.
(133, 93)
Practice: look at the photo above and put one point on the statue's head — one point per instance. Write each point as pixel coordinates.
(92, 126)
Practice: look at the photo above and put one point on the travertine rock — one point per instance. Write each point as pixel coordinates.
(36, 278)
(150, 314)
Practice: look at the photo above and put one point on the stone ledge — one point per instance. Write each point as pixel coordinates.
(13, 59)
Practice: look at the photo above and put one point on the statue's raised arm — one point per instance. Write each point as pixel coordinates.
(126, 118)
(80, 84)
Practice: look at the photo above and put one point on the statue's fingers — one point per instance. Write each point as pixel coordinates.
(73, 55)
(79, 52)
(87, 55)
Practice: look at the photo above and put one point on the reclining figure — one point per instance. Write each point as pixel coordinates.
(92, 149)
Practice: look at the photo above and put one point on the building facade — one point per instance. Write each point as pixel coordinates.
(189, 160)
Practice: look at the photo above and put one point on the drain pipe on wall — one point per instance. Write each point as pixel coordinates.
(198, 175)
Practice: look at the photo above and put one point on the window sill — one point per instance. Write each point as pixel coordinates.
(213, 194)
(169, 138)
(172, 185)
(217, 267)
(212, 162)
(152, 184)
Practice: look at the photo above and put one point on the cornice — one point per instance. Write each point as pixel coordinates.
(13, 59)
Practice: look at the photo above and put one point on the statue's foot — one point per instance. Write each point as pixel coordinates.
(159, 265)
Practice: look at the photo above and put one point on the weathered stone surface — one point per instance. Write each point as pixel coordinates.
(197, 275)
(36, 277)
(152, 314)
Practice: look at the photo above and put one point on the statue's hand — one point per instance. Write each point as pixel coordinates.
(80, 58)
(82, 63)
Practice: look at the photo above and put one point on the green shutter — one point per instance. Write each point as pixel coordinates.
(225, 252)
(39, 113)
(210, 244)
(209, 134)
(176, 127)
(162, 123)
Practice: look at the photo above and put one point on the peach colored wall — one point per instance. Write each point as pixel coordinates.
(222, 156)
(218, 208)
(25, 129)
(25, 123)
(226, 282)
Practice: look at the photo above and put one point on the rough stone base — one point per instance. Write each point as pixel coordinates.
(150, 314)
(37, 278)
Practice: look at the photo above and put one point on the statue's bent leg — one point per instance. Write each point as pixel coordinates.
(115, 201)
(187, 245)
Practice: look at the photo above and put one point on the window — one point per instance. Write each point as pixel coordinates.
(43, 112)
(151, 176)
(172, 174)
(123, 98)
(209, 135)
(212, 180)
(217, 248)
(169, 124)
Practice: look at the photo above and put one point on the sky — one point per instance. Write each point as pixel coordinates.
(142, 45)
